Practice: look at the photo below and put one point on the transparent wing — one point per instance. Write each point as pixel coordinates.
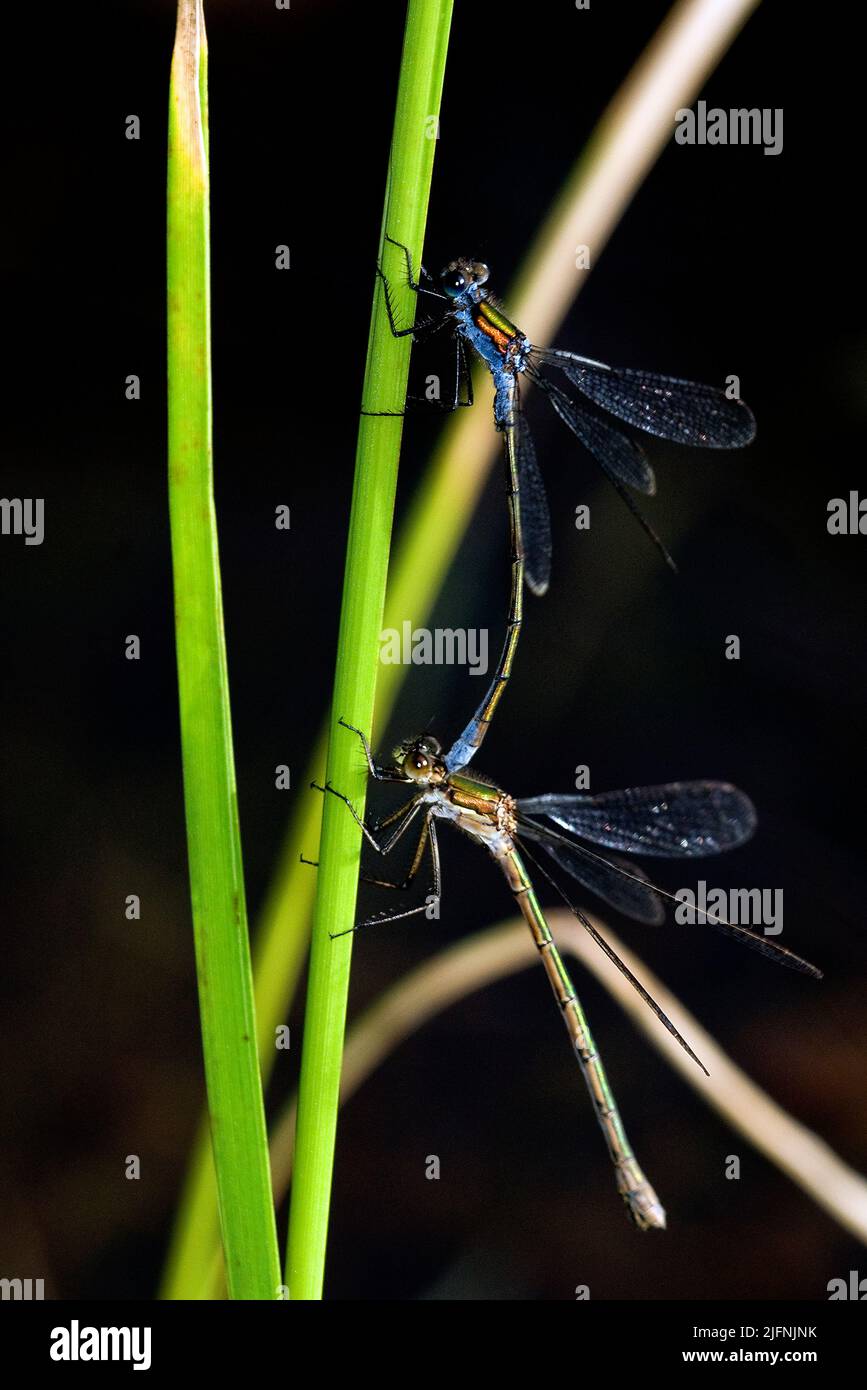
(680, 820)
(622, 460)
(621, 457)
(667, 406)
(624, 886)
(533, 506)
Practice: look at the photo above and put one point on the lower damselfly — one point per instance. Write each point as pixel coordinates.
(683, 820)
(670, 408)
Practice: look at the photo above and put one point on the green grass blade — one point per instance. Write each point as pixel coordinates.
(216, 877)
(410, 167)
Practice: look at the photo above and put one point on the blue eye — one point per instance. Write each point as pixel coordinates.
(453, 283)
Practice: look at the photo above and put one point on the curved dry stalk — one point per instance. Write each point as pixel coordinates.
(502, 951)
(631, 135)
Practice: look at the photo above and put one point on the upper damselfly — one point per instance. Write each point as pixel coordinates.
(668, 407)
(683, 820)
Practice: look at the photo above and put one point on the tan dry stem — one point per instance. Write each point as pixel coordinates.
(502, 951)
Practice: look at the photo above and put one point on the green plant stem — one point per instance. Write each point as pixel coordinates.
(216, 878)
(407, 191)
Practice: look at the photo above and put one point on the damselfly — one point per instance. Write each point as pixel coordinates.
(681, 820)
(668, 407)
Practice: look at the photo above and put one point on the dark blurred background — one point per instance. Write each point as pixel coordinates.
(727, 261)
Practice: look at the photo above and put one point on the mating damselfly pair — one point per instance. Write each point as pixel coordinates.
(682, 820)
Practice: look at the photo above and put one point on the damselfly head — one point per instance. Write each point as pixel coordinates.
(458, 276)
(420, 759)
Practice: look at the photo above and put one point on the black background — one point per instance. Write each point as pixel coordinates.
(727, 260)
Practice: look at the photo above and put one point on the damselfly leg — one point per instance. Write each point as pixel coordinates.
(402, 818)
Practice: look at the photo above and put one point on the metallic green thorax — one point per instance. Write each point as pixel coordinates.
(495, 316)
(471, 789)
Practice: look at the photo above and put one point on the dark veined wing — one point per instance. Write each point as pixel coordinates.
(622, 460)
(532, 506)
(621, 457)
(624, 886)
(667, 406)
(680, 819)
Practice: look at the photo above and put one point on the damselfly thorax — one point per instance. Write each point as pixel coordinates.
(480, 321)
(482, 811)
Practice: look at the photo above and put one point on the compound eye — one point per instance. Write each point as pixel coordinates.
(416, 765)
(481, 272)
(453, 283)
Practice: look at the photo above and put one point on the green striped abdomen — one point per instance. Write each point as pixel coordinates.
(641, 1201)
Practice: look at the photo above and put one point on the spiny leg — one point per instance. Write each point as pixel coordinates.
(369, 831)
(420, 324)
(408, 812)
(388, 820)
(381, 775)
(414, 284)
(462, 373)
(406, 882)
(404, 815)
(433, 322)
(462, 377)
(378, 773)
(428, 834)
